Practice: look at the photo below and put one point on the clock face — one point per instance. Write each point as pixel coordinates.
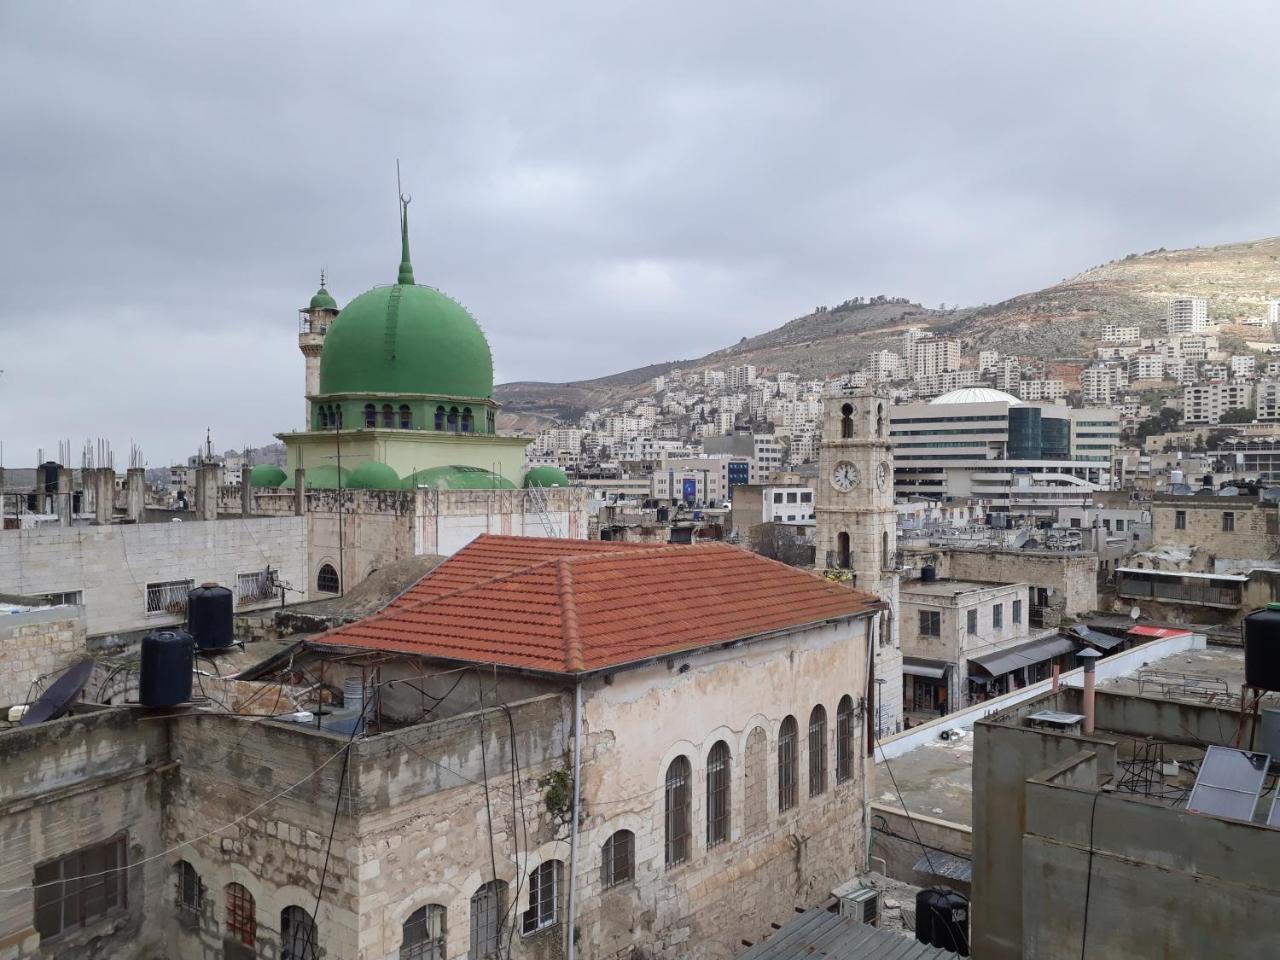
(882, 474)
(845, 476)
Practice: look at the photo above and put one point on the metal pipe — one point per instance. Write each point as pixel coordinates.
(573, 829)
(1088, 659)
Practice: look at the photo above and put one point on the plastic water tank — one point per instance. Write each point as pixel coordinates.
(168, 657)
(942, 919)
(210, 610)
(1262, 648)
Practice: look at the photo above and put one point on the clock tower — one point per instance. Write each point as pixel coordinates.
(857, 523)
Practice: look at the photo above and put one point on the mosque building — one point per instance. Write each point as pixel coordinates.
(399, 395)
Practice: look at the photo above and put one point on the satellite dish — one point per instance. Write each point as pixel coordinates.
(59, 698)
(1134, 613)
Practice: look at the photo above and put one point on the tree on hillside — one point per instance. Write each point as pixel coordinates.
(1162, 422)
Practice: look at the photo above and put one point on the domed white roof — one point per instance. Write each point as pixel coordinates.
(977, 395)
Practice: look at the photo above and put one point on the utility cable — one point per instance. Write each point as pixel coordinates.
(1088, 883)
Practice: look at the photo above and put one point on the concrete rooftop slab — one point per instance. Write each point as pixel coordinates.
(935, 778)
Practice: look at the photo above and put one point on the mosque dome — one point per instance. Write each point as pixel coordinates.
(323, 300)
(266, 475)
(406, 339)
(977, 395)
(457, 477)
(324, 477)
(373, 475)
(546, 477)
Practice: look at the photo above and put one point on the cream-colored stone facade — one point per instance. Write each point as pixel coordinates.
(35, 644)
(1212, 528)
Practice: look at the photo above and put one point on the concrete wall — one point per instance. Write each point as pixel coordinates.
(112, 565)
(644, 719)
(1256, 533)
(1161, 882)
(37, 643)
(448, 520)
(73, 783)
(893, 839)
(1073, 578)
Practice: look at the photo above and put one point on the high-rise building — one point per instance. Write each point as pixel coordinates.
(1207, 402)
(1187, 315)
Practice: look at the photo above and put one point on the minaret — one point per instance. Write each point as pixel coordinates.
(313, 324)
(857, 522)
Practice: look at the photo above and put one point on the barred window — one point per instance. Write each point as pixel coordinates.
(190, 890)
(488, 909)
(844, 739)
(544, 898)
(788, 764)
(997, 616)
(617, 859)
(299, 939)
(242, 919)
(168, 596)
(718, 770)
(254, 587)
(327, 579)
(678, 814)
(756, 781)
(406, 417)
(817, 751)
(370, 415)
(425, 934)
(80, 887)
(388, 416)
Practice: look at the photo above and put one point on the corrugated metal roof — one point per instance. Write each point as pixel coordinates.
(817, 934)
(1037, 651)
(938, 864)
(1104, 640)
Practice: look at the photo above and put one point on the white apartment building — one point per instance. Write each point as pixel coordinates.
(556, 440)
(1008, 374)
(789, 505)
(741, 378)
(940, 383)
(1047, 390)
(927, 355)
(659, 384)
(768, 453)
(1214, 371)
(987, 360)
(713, 381)
(886, 365)
(1273, 311)
(1187, 315)
(1146, 366)
(1114, 333)
(1207, 402)
(1243, 367)
(1268, 403)
(1197, 348)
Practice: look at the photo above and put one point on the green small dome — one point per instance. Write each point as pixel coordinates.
(546, 477)
(266, 475)
(373, 476)
(457, 478)
(321, 478)
(323, 300)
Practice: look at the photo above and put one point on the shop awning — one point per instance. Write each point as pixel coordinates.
(924, 667)
(1023, 655)
(1103, 641)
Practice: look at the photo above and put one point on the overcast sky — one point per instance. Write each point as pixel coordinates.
(602, 184)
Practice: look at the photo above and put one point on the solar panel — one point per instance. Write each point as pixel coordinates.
(1229, 783)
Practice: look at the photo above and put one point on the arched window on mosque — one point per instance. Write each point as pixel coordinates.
(439, 418)
(406, 417)
(370, 415)
(492, 418)
(466, 420)
(337, 416)
(388, 416)
(323, 417)
(453, 419)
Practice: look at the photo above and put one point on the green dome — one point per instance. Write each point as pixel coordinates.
(323, 300)
(546, 477)
(457, 478)
(373, 476)
(321, 478)
(266, 475)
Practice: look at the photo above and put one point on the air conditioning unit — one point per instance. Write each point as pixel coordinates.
(862, 905)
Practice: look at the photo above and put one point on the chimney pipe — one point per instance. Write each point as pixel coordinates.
(1057, 677)
(1088, 659)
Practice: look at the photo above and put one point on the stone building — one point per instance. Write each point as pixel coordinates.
(656, 752)
(856, 522)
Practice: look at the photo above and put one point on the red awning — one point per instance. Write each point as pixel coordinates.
(1157, 632)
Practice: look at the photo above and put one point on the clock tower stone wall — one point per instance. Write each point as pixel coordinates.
(857, 523)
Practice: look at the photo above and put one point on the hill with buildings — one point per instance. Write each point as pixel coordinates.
(1054, 323)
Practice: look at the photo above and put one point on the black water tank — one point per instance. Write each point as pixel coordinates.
(1262, 648)
(928, 573)
(165, 672)
(942, 919)
(209, 616)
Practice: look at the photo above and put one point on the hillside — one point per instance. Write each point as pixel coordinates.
(1055, 323)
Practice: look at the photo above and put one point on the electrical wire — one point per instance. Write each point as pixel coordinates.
(1088, 883)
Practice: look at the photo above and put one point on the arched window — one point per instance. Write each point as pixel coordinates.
(466, 420)
(755, 789)
(817, 751)
(879, 419)
(439, 418)
(190, 898)
(323, 413)
(886, 628)
(327, 580)
(424, 934)
(544, 898)
(618, 859)
(337, 416)
(370, 415)
(493, 419)
(241, 917)
(488, 909)
(453, 419)
(846, 422)
(406, 417)
(886, 561)
(788, 764)
(718, 794)
(388, 416)
(844, 739)
(842, 551)
(298, 937)
(679, 800)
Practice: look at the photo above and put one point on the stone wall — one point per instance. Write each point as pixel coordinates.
(112, 564)
(1071, 578)
(1255, 533)
(37, 643)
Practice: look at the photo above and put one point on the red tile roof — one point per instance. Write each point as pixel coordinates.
(569, 606)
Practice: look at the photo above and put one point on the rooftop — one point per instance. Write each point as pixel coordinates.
(566, 606)
(949, 588)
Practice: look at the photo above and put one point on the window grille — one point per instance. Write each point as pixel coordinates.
(718, 770)
(425, 934)
(169, 596)
(817, 751)
(617, 859)
(788, 764)
(76, 889)
(242, 921)
(254, 587)
(488, 907)
(544, 894)
(299, 939)
(997, 616)
(327, 580)
(190, 890)
(678, 814)
(844, 739)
